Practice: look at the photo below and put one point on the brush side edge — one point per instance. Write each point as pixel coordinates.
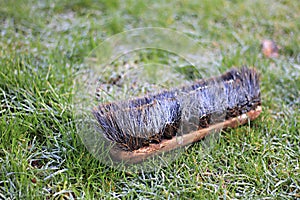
(143, 153)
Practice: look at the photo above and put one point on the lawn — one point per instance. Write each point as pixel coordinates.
(43, 50)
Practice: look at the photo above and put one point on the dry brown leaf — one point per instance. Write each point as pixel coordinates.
(269, 48)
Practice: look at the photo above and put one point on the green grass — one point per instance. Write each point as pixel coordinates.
(42, 49)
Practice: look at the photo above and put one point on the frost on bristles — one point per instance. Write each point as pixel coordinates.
(138, 122)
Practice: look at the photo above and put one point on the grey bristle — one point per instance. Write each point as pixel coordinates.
(138, 122)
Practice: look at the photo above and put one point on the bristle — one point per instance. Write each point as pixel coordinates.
(138, 122)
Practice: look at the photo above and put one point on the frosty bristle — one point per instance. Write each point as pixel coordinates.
(136, 123)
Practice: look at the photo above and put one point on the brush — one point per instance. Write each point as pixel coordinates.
(142, 127)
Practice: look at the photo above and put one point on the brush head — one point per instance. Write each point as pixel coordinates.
(139, 122)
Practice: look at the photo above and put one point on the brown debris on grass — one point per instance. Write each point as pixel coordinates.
(269, 48)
